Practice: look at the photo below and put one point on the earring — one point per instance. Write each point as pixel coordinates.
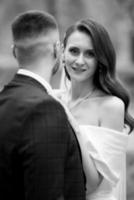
(63, 59)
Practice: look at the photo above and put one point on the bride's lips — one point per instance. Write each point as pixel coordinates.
(78, 69)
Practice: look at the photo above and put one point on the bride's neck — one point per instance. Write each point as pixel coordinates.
(79, 90)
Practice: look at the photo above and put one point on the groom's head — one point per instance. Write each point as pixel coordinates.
(35, 36)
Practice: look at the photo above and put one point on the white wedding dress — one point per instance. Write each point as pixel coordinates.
(107, 147)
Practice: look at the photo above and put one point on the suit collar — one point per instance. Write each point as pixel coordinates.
(37, 78)
(27, 80)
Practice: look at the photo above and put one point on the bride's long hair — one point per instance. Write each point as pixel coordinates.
(105, 75)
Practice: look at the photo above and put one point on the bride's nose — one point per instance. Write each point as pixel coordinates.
(80, 59)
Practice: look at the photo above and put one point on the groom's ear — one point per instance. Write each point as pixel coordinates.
(62, 54)
(57, 49)
(14, 50)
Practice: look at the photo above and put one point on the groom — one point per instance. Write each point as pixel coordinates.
(39, 153)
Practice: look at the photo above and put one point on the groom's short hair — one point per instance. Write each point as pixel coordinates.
(29, 30)
(31, 24)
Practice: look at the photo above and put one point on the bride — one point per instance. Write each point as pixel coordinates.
(99, 103)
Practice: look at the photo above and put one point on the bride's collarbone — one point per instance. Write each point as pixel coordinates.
(87, 103)
(90, 112)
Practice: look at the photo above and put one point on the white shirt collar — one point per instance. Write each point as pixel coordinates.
(37, 78)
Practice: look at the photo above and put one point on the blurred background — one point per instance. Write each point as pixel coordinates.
(118, 18)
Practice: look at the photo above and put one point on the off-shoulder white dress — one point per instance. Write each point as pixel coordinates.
(107, 147)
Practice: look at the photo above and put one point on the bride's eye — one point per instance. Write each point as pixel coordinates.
(74, 51)
(90, 54)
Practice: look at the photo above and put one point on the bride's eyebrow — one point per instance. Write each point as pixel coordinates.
(73, 47)
(90, 50)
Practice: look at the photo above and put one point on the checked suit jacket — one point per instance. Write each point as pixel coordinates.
(39, 153)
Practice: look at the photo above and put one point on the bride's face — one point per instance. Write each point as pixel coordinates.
(79, 56)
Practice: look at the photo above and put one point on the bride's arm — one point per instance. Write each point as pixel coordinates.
(93, 177)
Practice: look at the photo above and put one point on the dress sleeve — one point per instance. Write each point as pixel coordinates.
(106, 147)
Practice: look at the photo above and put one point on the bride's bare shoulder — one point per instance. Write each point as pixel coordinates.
(112, 103)
(109, 104)
(112, 112)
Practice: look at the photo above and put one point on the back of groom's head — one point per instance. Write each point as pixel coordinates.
(34, 32)
(31, 24)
